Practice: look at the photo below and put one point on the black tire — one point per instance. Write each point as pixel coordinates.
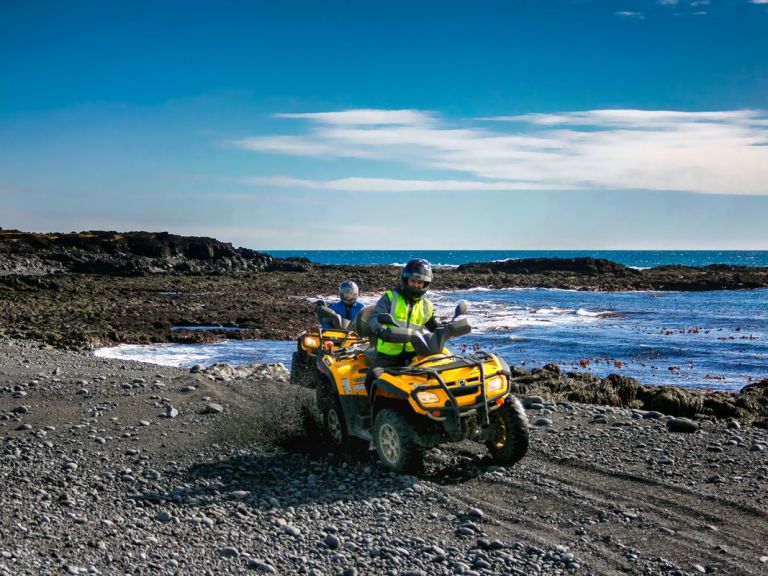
(396, 443)
(512, 442)
(335, 427)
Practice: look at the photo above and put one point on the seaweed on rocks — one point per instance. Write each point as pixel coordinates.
(749, 405)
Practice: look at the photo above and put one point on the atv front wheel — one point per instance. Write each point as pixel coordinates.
(396, 442)
(335, 427)
(511, 442)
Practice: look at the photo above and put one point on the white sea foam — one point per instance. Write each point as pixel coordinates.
(499, 316)
(233, 352)
(589, 313)
(434, 265)
(163, 354)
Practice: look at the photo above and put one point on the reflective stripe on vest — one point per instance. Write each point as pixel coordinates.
(420, 313)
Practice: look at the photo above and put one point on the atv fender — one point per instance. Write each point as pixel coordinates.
(383, 388)
(325, 371)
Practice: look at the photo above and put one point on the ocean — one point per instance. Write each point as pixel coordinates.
(706, 340)
(635, 258)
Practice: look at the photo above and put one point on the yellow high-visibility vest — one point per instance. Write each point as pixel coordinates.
(414, 316)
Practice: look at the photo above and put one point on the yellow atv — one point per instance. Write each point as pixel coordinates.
(304, 360)
(439, 397)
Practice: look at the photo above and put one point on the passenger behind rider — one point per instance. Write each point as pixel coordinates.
(409, 306)
(347, 307)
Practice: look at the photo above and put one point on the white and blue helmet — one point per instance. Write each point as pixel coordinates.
(348, 292)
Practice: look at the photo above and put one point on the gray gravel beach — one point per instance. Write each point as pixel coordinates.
(120, 467)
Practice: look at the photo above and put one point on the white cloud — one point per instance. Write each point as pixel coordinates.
(361, 117)
(759, 1)
(717, 152)
(630, 14)
(667, 2)
(297, 146)
(394, 185)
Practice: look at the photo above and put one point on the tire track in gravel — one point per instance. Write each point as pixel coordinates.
(570, 495)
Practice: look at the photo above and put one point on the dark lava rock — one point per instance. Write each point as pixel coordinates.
(586, 266)
(682, 425)
(749, 405)
(132, 253)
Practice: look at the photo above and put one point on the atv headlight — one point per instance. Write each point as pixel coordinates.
(428, 397)
(311, 342)
(495, 385)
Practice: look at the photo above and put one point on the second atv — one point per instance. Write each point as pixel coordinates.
(439, 397)
(340, 334)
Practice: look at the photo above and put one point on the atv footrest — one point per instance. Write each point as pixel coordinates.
(363, 426)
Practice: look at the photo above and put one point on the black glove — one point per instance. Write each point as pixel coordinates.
(384, 332)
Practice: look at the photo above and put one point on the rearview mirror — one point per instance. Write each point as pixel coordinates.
(461, 309)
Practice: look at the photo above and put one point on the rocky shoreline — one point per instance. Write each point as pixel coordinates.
(92, 289)
(111, 466)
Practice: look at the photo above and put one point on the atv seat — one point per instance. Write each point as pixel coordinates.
(363, 330)
(362, 323)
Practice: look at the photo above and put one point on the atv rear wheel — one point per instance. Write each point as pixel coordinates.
(511, 442)
(396, 442)
(335, 427)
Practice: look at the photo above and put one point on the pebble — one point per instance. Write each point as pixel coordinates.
(229, 552)
(682, 425)
(213, 408)
(542, 422)
(151, 474)
(187, 389)
(529, 400)
(171, 412)
(332, 541)
(163, 516)
(262, 567)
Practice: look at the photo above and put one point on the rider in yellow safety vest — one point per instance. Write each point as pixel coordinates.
(409, 306)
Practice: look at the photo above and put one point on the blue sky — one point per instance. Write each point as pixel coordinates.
(510, 125)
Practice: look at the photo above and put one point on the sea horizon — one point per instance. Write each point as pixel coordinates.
(633, 258)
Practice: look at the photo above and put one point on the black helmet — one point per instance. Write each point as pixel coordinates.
(418, 269)
(348, 292)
